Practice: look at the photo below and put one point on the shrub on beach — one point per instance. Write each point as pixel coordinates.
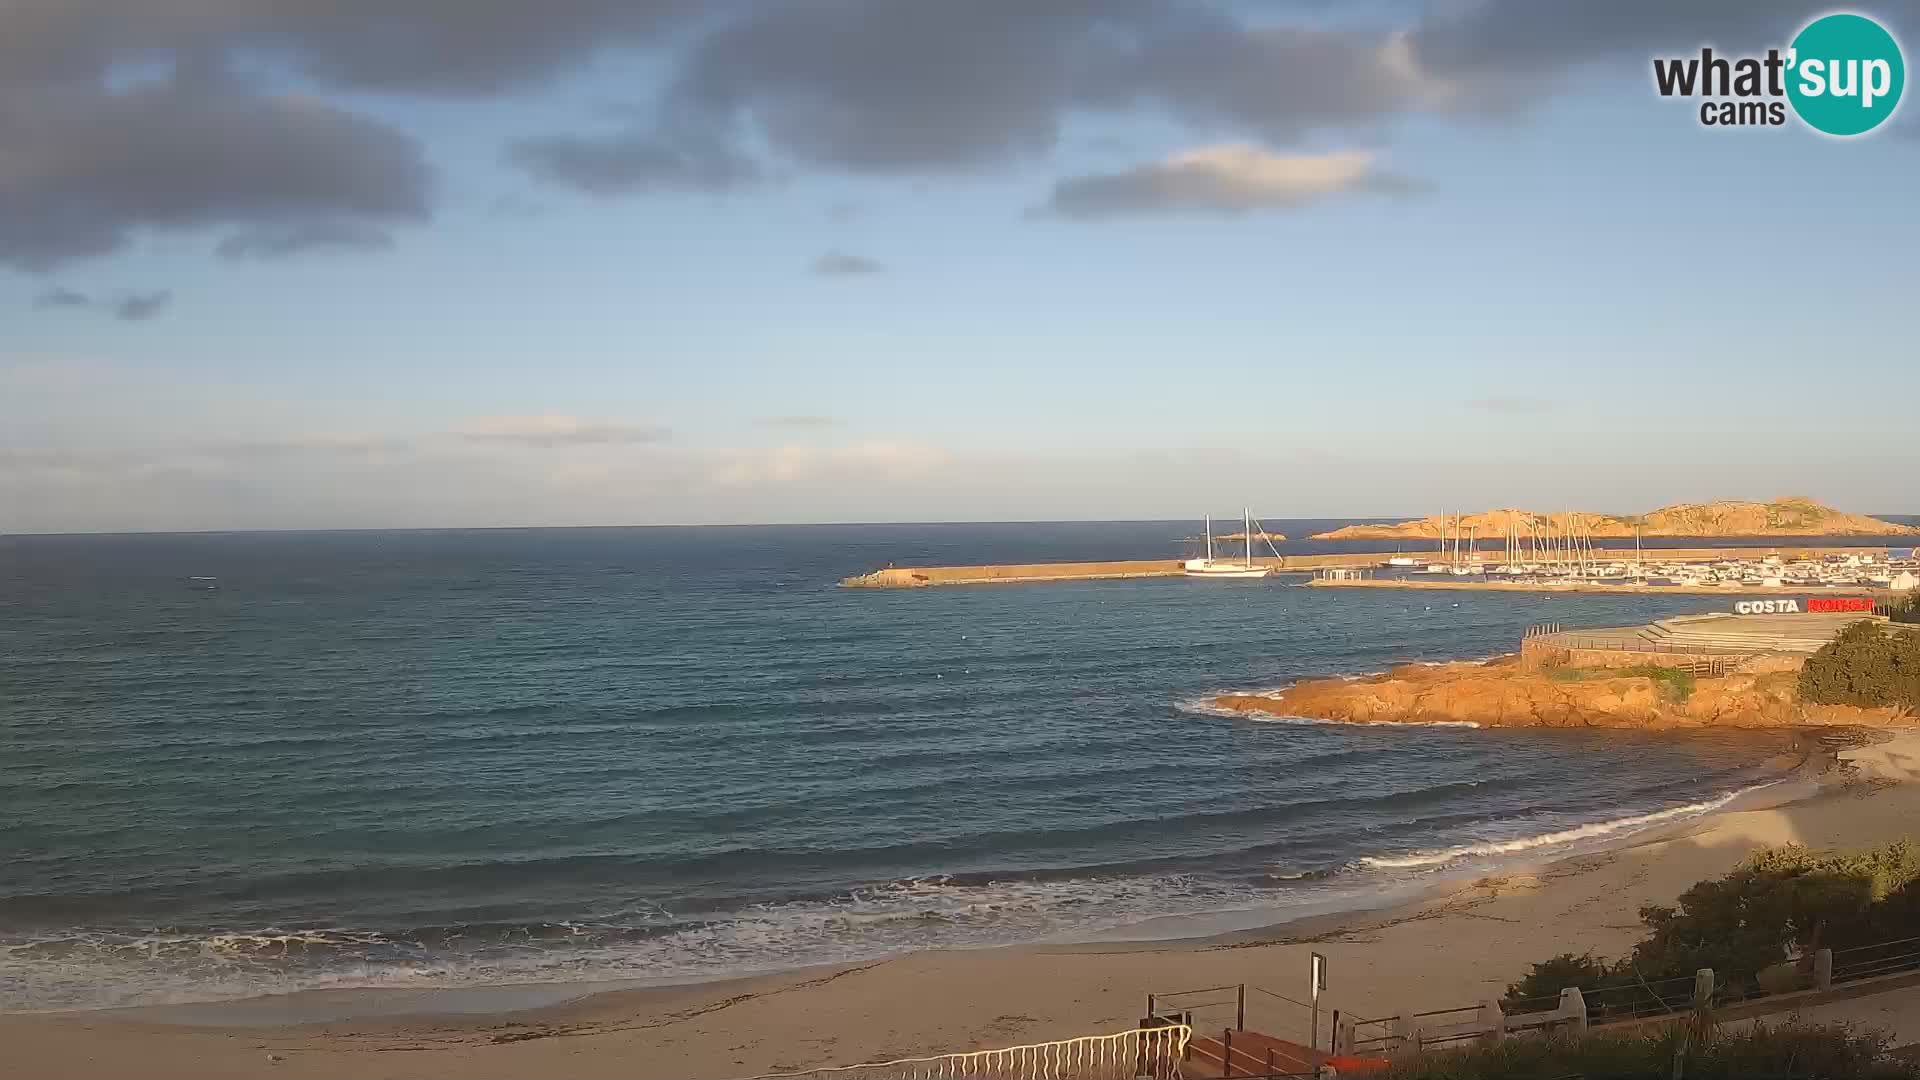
(1542, 984)
(1790, 1052)
(1778, 902)
(1865, 666)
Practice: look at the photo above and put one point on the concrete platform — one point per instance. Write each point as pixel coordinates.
(1713, 635)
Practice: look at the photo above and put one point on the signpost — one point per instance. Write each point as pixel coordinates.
(1317, 976)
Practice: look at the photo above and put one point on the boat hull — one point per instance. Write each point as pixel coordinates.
(1191, 570)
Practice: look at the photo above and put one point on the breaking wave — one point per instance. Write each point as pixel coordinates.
(1598, 830)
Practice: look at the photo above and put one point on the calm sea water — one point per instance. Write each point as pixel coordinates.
(455, 758)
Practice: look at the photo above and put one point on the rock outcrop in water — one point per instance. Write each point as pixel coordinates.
(1782, 517)
(1501, 693)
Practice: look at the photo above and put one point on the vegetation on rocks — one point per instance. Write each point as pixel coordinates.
(1674, 684)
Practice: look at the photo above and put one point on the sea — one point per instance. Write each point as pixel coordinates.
(241, 764)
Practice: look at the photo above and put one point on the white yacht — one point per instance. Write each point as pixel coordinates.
(1211, 567)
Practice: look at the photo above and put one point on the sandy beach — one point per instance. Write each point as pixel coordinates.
(1453, 948)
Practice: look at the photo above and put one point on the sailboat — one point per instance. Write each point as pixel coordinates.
(1211, 567)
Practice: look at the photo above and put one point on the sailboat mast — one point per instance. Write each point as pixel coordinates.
(1209, 537)
(1246, 526)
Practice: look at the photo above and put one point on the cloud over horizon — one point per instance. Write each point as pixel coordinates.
(1234, 178)
(552, 431)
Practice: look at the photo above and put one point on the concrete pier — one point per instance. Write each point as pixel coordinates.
(913, 577)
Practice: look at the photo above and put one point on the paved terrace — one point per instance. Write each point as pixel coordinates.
(1713, 635)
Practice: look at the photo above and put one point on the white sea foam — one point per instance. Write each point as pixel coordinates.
(1599, 830)
(1204, 706)
(1318, 721)
(95, 969)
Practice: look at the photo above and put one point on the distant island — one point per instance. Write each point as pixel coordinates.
(1792, 516)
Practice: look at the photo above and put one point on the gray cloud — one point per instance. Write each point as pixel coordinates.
(887, 85)
(842, 212)
(281, 241)
(841, 264)
(1522, 37)
(85, 169)
(59, 297)
(1230, 179)
(899, 86)
(127, 307)
(633, 162)
(1511, 405)
(139, 307)
(916, 86)
(451, 47)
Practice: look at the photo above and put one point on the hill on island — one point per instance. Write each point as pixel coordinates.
(1782, 517)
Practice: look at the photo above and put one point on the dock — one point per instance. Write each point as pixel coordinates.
(914, 577)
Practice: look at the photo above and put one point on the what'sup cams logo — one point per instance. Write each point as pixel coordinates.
(1842, 75)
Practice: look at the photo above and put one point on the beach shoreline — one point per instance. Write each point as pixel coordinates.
(1456, 944)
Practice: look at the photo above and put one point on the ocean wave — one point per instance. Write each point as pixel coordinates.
(97, 968)
(1598, 830)
(87, 969)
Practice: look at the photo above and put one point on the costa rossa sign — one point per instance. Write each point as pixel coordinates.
(1840, 603)
(1812, 605)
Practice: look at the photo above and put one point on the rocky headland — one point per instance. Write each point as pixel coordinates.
(1793, 516)
(1503, 693)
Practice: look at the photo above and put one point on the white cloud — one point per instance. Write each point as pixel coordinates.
(552, 430)
(853, 463)
(1229, 178)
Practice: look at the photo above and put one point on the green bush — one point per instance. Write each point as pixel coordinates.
(1778, 902)
(1797, 1052)
(1546, 979)
(1866, 666)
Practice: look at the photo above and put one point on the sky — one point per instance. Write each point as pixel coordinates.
(448, 263)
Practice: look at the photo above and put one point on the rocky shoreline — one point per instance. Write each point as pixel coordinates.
(1504, 693)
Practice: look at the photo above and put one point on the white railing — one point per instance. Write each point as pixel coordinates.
(1141, 1052)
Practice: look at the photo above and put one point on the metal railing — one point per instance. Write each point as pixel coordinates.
(1881, 958)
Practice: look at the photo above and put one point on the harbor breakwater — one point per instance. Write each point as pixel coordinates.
(913, 577)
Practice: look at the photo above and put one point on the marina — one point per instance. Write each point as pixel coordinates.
(1714, 570)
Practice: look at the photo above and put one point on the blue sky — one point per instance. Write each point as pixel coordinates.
(1527, 279)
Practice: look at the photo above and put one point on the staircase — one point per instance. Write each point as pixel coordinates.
(1248, 1053)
